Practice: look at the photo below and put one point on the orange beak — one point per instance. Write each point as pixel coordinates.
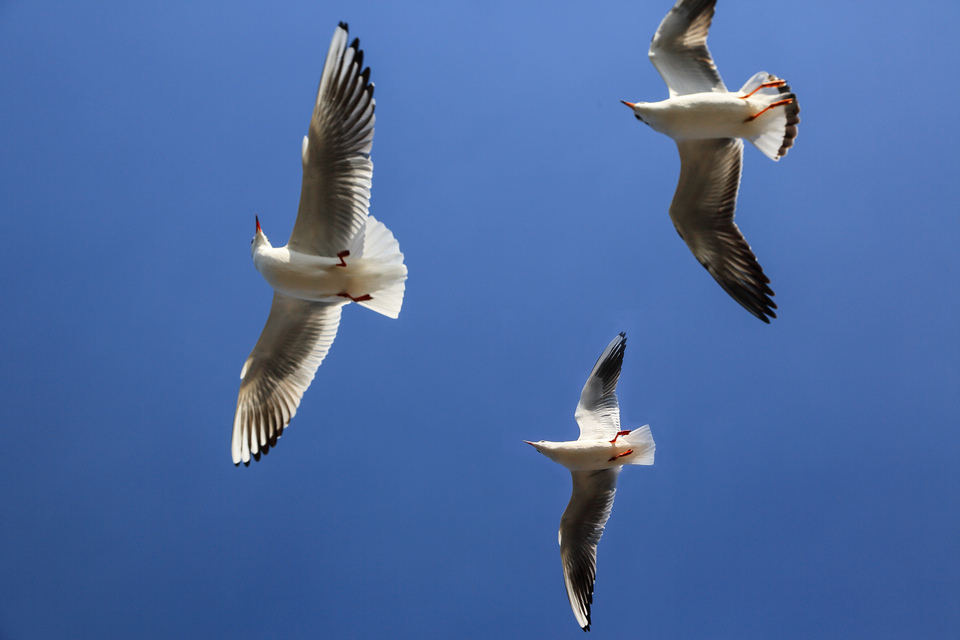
(629, 104)
(257, 218)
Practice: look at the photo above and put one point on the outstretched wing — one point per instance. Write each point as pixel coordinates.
(679, 49)
(702, 211)
(598, 412)
(281, 366)
(580, 529)
(337, 170)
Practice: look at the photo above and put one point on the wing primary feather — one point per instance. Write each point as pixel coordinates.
(703, 211)
(295, 340)
(581, 527)
(337, 170)
(598, 412)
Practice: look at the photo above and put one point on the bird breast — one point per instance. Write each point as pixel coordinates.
(319, 278)
(589, 455)
(700, 115)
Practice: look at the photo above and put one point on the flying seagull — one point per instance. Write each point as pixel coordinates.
(707, 122)
(595, 460)
(337, 254)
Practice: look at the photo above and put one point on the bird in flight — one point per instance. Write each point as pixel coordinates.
(708, 123)
(337, 254)
(595, 460)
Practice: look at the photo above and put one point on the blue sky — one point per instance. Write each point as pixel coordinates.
(806, 481)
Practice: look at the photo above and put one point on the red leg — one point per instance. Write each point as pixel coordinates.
(362, 298)
(620, 455)
(619, 433)
(779, 103)
(765, 85)
(343, 254)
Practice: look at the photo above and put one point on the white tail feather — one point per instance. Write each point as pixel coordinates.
(641, 441)
(379, 243)
(779, 123)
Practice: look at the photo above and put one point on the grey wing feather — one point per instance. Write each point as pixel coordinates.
(580, 529)
(337, 169)
(598, 412)
(294, 342)
(703, 210)
(679, 49)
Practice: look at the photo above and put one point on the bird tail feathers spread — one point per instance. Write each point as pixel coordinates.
(379, 243)
(779, 123)
(641, 441)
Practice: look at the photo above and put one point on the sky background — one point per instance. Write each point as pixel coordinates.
(806, 480)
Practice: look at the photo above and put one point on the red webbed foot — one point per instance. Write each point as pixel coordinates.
(779, 103)
(765, 85)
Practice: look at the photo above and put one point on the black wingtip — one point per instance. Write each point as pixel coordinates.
(752, 293)
(355, 44)
(344, 26)
(762, 310)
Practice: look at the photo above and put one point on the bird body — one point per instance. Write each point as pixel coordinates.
(595, 460)
(337, 254)
(323, 278)
(708, 123)
(705, 115)
(594, 455)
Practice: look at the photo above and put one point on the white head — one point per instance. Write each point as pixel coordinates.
(259, 238)
(638, 110)
(545, 447)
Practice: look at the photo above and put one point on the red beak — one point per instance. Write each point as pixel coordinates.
(629, 104)
(530, 443)
(257, 218)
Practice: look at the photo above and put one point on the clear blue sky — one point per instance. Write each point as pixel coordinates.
(806, 481)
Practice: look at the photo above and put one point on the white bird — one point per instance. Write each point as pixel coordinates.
(336, 254)
(707, 122)
(595, 460)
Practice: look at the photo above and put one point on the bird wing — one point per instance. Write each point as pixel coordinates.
(281, 366)
(702, 211)
(679, 49)
(598, 413)
(580, 529)
(337, 170)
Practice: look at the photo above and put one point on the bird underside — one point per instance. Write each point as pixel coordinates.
(343, 294)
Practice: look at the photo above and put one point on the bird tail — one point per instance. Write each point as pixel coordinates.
(778, 125)
(641, 441)
(379, 243)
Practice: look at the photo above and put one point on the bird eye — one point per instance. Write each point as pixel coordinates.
(638, 117)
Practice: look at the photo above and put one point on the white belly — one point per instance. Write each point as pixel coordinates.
(702, 115)
(591, 455)
(323, 279)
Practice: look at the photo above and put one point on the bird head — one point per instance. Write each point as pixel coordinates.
(550, 449)
(541, 446)
(259, 238)
(637, 110)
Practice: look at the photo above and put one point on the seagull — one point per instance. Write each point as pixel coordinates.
(337, 254)
(708, 122)
(595, 460)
